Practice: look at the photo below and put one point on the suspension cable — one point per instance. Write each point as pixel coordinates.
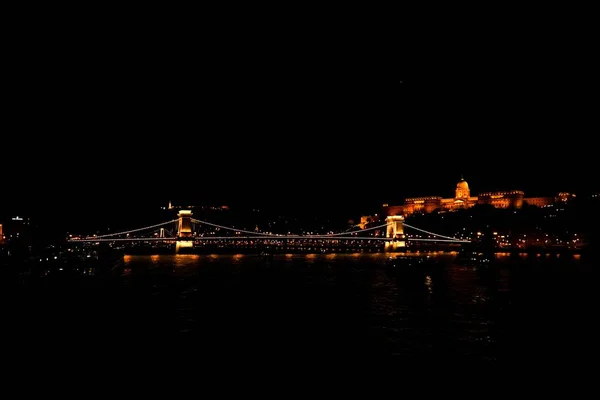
(135, 230)
(271, 234)
(430, 233)
(350, 232)
(230, 228)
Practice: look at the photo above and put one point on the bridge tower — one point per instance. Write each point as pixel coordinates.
(185, 223)
(184, 231)
(395, 230)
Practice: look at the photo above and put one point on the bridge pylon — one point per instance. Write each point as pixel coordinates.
(395, 231)
(184, 231)
(184, 228)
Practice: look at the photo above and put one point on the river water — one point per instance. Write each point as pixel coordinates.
(322, 305)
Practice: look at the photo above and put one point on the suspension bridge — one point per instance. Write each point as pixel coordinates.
(188, 232)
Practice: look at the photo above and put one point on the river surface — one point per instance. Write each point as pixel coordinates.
(323, 305)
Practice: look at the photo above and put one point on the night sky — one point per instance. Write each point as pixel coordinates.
(293, 116)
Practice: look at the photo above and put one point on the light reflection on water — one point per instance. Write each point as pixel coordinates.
(353, 301)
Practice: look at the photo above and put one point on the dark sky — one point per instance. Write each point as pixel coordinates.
(297, 114)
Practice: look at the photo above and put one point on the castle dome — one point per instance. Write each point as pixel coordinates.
(462, 184)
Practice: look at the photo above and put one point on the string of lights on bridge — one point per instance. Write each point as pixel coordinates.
(274, 237)
(346, 235)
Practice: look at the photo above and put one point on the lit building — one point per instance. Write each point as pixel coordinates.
(564, 197)
(539, 201)
(462, 199)
(512, 198)
(1, 235)
(368, 219)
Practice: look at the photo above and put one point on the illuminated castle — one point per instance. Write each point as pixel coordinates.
(462, 199)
